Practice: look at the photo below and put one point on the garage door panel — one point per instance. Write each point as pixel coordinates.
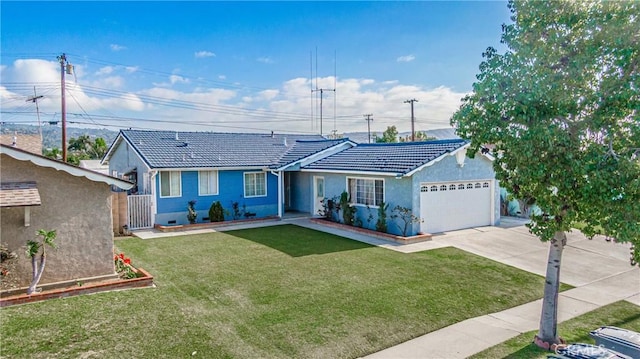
(455, 205)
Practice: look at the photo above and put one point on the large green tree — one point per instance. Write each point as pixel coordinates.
(561, 105)
(84, 148)
(390, 135)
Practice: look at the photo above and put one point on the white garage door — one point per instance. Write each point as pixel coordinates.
(455, 205)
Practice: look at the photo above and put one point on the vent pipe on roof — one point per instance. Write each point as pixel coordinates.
(285, 142)
(272, 135)
(177, 136)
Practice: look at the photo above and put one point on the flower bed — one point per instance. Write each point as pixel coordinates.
(127, 277)
(372, 233)
(176, 227)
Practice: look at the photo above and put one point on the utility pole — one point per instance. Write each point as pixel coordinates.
(35, 99)
(64, 67)
(368, 119)
(321, 92)
(413, 131)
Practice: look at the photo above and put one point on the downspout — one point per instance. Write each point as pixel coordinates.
(278, 174)
(154, 205)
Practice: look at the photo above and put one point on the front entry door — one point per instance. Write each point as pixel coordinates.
(318, 194)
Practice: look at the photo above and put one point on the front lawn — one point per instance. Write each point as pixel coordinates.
(273, 292)
(620, 314)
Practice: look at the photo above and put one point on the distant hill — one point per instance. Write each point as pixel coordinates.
(52, 135)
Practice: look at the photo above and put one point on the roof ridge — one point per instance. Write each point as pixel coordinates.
(432, 142)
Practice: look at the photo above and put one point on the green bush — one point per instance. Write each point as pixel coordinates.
(348, 212)
(216, 212)
(381, 224)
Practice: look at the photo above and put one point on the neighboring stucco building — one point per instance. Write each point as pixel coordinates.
(42, 193)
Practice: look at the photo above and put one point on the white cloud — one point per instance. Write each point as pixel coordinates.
(287, 107)
(174, 79)
(222, 77)
(407, 58)
(105, 71)
(116, 47)
(202, 54)
(265, 60)
(131, 69)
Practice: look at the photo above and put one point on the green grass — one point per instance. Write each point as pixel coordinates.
(274, 292)
(620, 314)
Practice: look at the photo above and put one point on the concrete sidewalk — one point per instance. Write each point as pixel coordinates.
(599, 271)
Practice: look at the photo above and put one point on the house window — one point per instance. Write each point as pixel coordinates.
(460, 186)
(469, 185)
(478, 185)
(255, 184)
(207, 183)
(452, 187)
(366, 191)
(443, 187)
(485, 185)
(170, 185)
(434, 189)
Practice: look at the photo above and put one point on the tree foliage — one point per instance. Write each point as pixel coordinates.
(390, 135)
(561, 108)
(84, 148)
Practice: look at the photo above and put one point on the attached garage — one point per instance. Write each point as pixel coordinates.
(448, 206)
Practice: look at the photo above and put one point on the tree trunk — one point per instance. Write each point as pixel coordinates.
(36, 274)
(548, 333)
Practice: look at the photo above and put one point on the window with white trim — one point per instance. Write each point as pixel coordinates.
(170, 184)
(207, 183)
(366, 191)
(255, 184)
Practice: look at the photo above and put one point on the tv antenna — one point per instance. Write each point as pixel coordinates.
(322, 91)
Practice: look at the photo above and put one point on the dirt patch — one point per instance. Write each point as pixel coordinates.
(8, 265)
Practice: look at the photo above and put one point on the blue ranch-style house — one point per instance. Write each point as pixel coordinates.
(266, 175)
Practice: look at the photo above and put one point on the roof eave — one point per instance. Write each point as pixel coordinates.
(65, 167)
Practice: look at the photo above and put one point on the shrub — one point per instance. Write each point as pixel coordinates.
(216, 212)
(348, 212)
(407, 218)
(381, 224)
(192, 214)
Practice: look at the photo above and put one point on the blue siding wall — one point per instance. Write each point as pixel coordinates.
(301, 192)
(397, 192)
(230, 189)
(403, 192)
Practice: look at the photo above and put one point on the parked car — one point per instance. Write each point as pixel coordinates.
(621, 340)
(586, 351)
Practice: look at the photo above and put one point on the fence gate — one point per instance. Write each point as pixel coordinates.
(140, 215)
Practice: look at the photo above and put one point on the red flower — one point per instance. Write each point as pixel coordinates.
(122, 255)
(115, 257)
(127, 260)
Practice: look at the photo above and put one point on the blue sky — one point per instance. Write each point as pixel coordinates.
(245, 66)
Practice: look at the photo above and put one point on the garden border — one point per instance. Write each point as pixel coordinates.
(369, 232)
(6, 299)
